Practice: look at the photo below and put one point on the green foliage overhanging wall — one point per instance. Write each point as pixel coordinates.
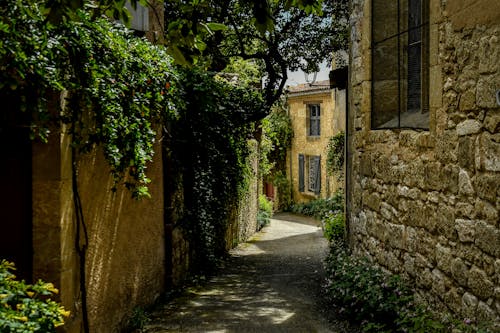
(121, 88)
(117, 85)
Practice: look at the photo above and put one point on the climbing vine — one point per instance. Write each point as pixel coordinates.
(277, 133)
(209, 145)
(335, 155)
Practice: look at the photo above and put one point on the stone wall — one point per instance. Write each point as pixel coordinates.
(425, 204)
(332, 103)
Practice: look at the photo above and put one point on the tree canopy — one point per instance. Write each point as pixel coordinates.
(278, 35)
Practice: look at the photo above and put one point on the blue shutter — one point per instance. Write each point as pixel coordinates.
(317, 183)
(301, 173)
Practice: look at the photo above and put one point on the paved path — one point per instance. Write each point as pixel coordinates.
(271, 284)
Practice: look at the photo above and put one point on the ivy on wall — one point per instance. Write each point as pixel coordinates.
(209, 146)
(119, 89)
(118, 85)
(335, 155)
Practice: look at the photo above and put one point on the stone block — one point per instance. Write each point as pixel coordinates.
(489, 50)
(453, 300)
(467, 101)
(487, 238)
(492, 121)
(469, 305)
(466, 152)
(468, 127)
(485, 313)
(444, 258)
(388, 212)
(485, 210)
(440, 283)
(459, 271)
(465, 209)
(396, 236)
(487, 186)
(464, 183)
(409, 264)
(432, 176)
(436, 95)
(426, 246)
(424, 279)
(489, 152)
(465, 230)
(372, 201)
(449, 178)
(479, 283)
(445, 222)
(486, 88)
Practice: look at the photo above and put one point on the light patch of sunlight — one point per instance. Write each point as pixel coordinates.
(277, 316)
(213, 292)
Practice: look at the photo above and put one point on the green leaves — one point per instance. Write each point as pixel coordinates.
(119, 86)
(25, 307)
(335, 155)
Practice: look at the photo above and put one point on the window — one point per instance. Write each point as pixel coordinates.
(312, 179)
(400, 64)
(314, 119)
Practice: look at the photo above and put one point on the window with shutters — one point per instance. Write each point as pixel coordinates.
(400, 30)
(310, 174)
(314, 119)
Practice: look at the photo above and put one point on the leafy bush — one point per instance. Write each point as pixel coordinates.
(319, 208)
(25, 307)
(382, 302)
(265, 211)
(364, 292)
(334, 227)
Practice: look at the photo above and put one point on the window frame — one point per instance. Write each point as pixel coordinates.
(316, 119)
(402, 67)
(309, 167)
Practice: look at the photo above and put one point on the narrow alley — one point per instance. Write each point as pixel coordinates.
(271, 284)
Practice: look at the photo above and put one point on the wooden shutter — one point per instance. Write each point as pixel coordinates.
(301, 173)
(414, 55)
(317, 183)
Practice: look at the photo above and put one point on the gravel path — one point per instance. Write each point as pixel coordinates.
(270, 284)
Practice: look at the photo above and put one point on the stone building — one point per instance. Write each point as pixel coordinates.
(423, 156)
(317, 112)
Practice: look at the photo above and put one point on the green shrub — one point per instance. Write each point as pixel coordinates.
(25, 307)
(319, 208)
(265, 212)
(364, 292)
(381, 302)
(334, 227)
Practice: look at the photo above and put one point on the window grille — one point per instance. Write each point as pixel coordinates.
(400, 64)
(314, 120)
(314, 183)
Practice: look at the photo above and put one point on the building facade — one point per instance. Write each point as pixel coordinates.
(423, 154)
(317, 112)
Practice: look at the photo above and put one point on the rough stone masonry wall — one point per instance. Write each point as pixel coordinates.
(426, 204)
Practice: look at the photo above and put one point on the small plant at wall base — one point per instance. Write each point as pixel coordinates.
(265, 212)
(334, 227)
(25, 307)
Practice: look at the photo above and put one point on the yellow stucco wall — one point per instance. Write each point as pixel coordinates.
(332, 104)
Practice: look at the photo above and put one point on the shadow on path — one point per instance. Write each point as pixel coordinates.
(270, 284)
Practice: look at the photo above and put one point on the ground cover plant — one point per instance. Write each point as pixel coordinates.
(376, 300)
(319, 208)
